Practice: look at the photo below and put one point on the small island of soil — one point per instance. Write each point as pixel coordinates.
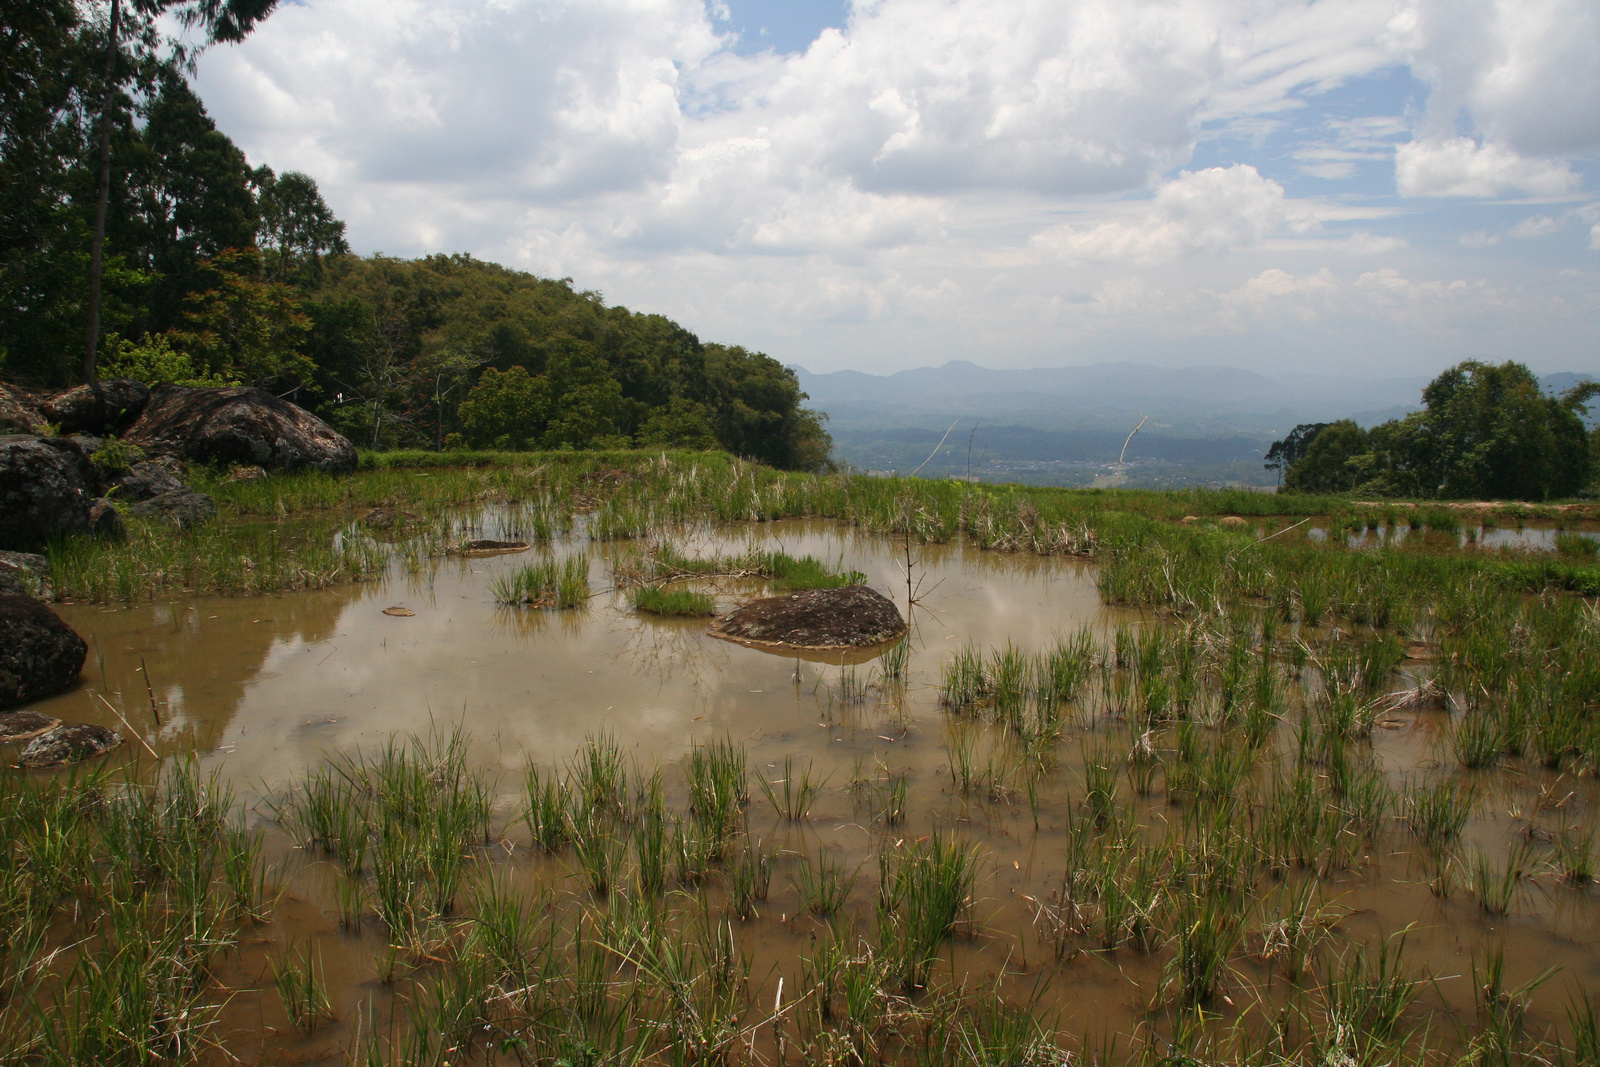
(818, 620)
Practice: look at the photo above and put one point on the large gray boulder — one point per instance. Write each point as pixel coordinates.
(45, 491)
(96, 408)
(238, 426)
(39, 654)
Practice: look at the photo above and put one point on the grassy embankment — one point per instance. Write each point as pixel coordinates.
(631, 495)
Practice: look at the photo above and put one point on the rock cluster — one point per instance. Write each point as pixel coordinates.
(50, 487)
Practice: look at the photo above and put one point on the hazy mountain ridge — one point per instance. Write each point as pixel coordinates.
(1104, 395)
(1067, 425)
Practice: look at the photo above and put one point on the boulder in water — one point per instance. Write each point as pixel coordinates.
(239, 426)
(39, 654)
(853, 616)
(71, 743)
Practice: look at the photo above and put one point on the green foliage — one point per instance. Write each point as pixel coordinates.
(1487, 431)
(154, 361)
(115, 457)
(1331, 462)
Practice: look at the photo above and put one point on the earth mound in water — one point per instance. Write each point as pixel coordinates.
(826, 619)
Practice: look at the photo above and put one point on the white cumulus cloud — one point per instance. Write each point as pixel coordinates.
(1461, 166)
(1213, 210)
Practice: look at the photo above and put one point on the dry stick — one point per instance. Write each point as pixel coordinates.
(935, 451)
(144, 670)
(131, 730)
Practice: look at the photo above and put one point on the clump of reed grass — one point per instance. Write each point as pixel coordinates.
(678, 603)
(924, 889)
(544, 584)
(717, 791)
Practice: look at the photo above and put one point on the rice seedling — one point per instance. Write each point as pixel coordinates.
(1583, 1022)
(548, 802)
(1100, 773)
(1302, 923)
(1574, 854)
(892, 665)
(351, 898)
(892, 792)
(792, 795)
(693, 851)
(652, 849)
(1495, 886)
(1438, 813)
(997, 1034)
(1477, 738)
(964, 682)
(599, 777)
(1207, 931)
(302, 989)
(749, 878)
(1502, 1012)
(1367, 994)
(824, 886)
(600, 849)
(678, 603)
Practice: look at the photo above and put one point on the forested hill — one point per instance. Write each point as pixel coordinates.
(428, 351)
(217, 272)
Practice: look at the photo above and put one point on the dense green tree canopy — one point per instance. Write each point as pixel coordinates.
(1486, 431)
(1330, 462)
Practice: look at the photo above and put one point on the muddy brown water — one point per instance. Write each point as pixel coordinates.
(265, 688)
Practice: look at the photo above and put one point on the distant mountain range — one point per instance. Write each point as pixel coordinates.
(1065, 425)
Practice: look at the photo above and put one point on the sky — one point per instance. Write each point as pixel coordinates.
(1357, 188)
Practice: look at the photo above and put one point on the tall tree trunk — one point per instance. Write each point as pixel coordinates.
(102, 197)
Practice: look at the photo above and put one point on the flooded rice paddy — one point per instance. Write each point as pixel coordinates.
(268, 690)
